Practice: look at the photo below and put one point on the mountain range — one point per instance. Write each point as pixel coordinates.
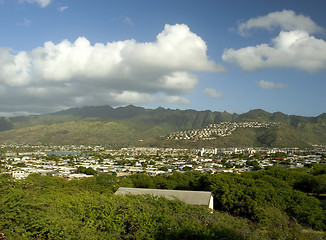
(137, 126)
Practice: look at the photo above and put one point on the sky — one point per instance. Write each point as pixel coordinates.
(215, 55)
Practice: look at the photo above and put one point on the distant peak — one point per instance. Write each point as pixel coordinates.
(261, 111)
(130, 106)
(160, 109)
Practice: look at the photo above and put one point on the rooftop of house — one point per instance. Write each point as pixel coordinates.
(189, 197)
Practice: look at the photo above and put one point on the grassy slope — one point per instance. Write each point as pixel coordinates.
(90, 131)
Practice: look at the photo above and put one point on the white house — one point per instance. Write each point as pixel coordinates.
(19, 174)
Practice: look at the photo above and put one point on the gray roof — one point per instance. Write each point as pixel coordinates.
(189, 197)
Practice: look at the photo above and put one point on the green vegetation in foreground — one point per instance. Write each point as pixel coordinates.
(267, 204)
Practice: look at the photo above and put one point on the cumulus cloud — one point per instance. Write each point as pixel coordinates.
(286, 20)
(126, 97)
(213, 93)
(174, 100)
(290, 49)
(14, 69)
(295, 48)
(42, 3)
(66, 74)
(270, 85)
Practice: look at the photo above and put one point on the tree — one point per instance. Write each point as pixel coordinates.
(142, 181)
(163, 169)
(81, 169)
(90, 171)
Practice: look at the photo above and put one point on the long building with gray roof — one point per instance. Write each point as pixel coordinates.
(189, 197)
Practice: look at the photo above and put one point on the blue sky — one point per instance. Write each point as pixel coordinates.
(206, 55)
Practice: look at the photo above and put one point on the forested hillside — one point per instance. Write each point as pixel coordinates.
(267, 204)
(130, 125)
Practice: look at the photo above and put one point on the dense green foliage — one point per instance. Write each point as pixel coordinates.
(87, 171)
(51, 208)
(128, 125)
(256, 195)
(267, 204)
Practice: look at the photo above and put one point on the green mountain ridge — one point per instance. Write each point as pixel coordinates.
(131, 125)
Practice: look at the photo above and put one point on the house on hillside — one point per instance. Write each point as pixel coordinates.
(189, 197)
(19, 174)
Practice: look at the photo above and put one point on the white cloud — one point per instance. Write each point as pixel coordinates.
(270, 85)
(42, 3)
(286, 20)
(14, 69)
(127, 97)
(16, 114)
(63, 8)
(178, 82)
(77, 73)
(174, 100)
(213, 93)
(295, 49)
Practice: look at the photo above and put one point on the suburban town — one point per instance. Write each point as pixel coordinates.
(212, 131)
(73, 162)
